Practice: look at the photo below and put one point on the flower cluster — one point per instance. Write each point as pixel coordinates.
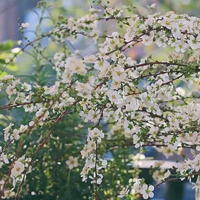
(139, 101)
(139, 187)
(90, 153)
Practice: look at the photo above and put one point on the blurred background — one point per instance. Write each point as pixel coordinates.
(26, 11)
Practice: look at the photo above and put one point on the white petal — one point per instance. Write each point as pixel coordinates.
(145, 196)
(151, 188)
(151, 194)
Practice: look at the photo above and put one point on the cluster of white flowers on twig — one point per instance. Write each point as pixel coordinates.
(90, 152)
(139, 187)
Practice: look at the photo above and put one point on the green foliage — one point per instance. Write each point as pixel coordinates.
(5, 56)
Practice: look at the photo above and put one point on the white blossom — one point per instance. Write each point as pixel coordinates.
(72, 162)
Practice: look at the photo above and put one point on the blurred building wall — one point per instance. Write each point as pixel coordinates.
(10, 12)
